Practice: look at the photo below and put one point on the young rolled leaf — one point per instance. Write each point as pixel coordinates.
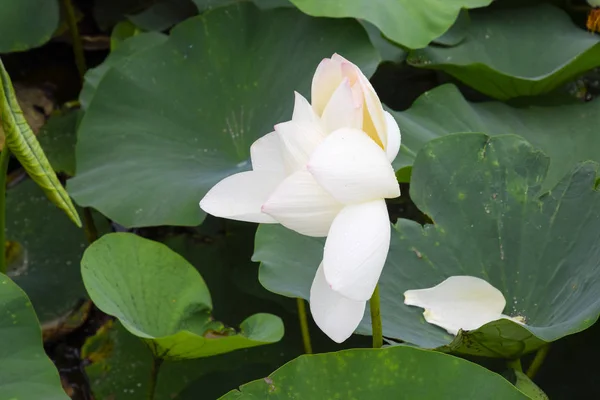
(21, 141)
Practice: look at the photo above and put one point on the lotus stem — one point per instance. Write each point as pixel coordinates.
(515, 364)
(156, 363)
(304, 325)
(376, 319)
(538, 360)
(89, 227)
(4, 158)
(77, 45)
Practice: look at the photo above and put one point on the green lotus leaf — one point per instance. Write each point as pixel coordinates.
(399, 372)
(27, 23)
(566, 133)
(158, 296)
(58, 137)
(44, 252)
(119, 57)
(180, 116)
(496, 60)
(412, 24)
(26, 372)
(493, 221)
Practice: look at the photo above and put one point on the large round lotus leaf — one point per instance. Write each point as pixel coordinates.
(497, 61)
(118, 57)
(204, 5)
(158, 296)
(25, 370)
(566, 133)
(398, 372)
(46, 251)
(58, 137)
(413, 24)
(491, 221)
(163, 14)
(27, 23)
(177, 118)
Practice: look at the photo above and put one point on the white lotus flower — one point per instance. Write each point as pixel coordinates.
(460, 303)
(326, 173)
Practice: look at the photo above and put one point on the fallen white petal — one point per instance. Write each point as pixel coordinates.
(241, 196)
(299, 140)
(459, 302)
(333, 313)
(301, 204)
(393, 137)
(342, 110)
(356, 248)
(353, 168)
(266, 154)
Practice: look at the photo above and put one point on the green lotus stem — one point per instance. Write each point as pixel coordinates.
(77, 45)
(376, 319)
(304, 325)
(515, 364)
(89, 227)
(4, 158)
(156, 363)
(538, 360)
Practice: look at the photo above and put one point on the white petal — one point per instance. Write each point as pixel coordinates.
(374, 124)
(300, 204)
(303, 111)
(266, 154)
(352, 168)
(393, 137)
(327, 78)
(241, 196)
(342, 110)
(459, 302)
(356, 248)
(299, 140)
(334, 314)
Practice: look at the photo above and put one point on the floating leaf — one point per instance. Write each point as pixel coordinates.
(25, 370)
(567, 133)
(27, 23)
(491, 221)
(496, 59)
(411, 23)
(158, 296)
(21, 141)
(399, 372)
(118, 57)
(46, 252)
(388, 51)
(58, 138)
(164, 14)
(180, 116)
